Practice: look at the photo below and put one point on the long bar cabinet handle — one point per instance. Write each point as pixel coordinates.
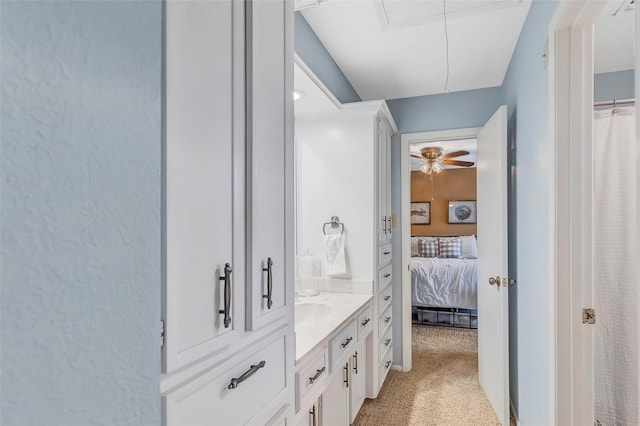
(355, 364)
(315, 377)
(227, 295)
(250, 372)
(346, 374)
(269, 283)
(314, 416)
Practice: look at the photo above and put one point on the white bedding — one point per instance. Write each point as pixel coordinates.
(445, 283)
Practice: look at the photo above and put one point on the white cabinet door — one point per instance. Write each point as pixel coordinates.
(270, 66)
(383, 145)
(357, 385)
(310, 416)
(335, 399)
(203, 179)
(380, 184)
(387, 177)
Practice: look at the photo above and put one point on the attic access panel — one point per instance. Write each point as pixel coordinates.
(396, 14)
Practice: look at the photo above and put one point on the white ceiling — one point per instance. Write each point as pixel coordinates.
(447, 146)
(613, 38)
(392, 49)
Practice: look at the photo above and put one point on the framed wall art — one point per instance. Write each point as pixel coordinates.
(421, 213)
(462, 211)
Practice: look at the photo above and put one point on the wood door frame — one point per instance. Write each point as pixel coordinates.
(570, 252)
(406, 140)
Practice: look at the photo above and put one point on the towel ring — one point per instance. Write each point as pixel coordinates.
(335, 223)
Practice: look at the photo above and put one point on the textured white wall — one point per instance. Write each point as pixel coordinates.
(81, 228)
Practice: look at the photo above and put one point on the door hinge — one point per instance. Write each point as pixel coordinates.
(588, 316)
(162, 333)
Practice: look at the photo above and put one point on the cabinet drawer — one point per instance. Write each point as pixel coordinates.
(384, 254)
(311, 377)
(384, 277)
(281, 417)
(384, 322)
(384, 299)
(343, 342)
(208, 400)
(365, 322)
(385, 343)
(384, 367)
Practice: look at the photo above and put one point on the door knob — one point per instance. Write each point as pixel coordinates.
(495, 280)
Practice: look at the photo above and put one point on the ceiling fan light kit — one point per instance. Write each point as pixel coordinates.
(435, 159)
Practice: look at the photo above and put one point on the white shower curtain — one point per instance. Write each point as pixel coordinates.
(615, 268)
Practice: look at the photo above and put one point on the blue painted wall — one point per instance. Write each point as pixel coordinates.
(81, 151)
(613, 85)
(309, 48)
(526, 94)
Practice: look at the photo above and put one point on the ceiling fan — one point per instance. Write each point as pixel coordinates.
(434, 159)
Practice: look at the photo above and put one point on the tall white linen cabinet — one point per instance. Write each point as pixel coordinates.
(228, 347)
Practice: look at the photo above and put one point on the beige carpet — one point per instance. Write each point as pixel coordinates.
(441, 389)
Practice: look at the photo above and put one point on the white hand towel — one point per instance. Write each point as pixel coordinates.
(334, 260)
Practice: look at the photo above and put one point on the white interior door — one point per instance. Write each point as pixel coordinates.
(493, 297)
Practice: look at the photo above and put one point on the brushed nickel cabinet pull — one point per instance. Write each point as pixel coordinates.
(346, 374)
(365, 322)
(315, 377)
(227, 295)
(387, 364)
(387, 319)
(386, 342)
(314, 416)
(387, 252)
(269, 283)
(387, 298)
(355, 363)
(387, 275)
(346, 342)
(250, 372)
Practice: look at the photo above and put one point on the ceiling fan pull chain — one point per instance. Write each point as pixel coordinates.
(431, 176)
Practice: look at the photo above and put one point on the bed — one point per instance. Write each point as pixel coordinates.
(444, 289)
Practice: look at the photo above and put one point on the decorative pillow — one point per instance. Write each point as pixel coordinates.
(450, 248)
(427, 248)
(469, 246)
(414, 247)
(415, 251)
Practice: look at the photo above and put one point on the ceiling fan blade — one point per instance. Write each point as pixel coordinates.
(417, 156)
(458, 163)
(454, 154)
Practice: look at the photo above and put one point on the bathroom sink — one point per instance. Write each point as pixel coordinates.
(308, 314)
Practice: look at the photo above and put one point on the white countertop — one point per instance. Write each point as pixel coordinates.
(312, 333)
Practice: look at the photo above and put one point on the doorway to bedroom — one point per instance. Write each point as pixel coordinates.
(443, 215)
(484, 212)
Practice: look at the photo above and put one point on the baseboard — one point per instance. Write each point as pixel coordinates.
(396, 367)
(514, 413)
